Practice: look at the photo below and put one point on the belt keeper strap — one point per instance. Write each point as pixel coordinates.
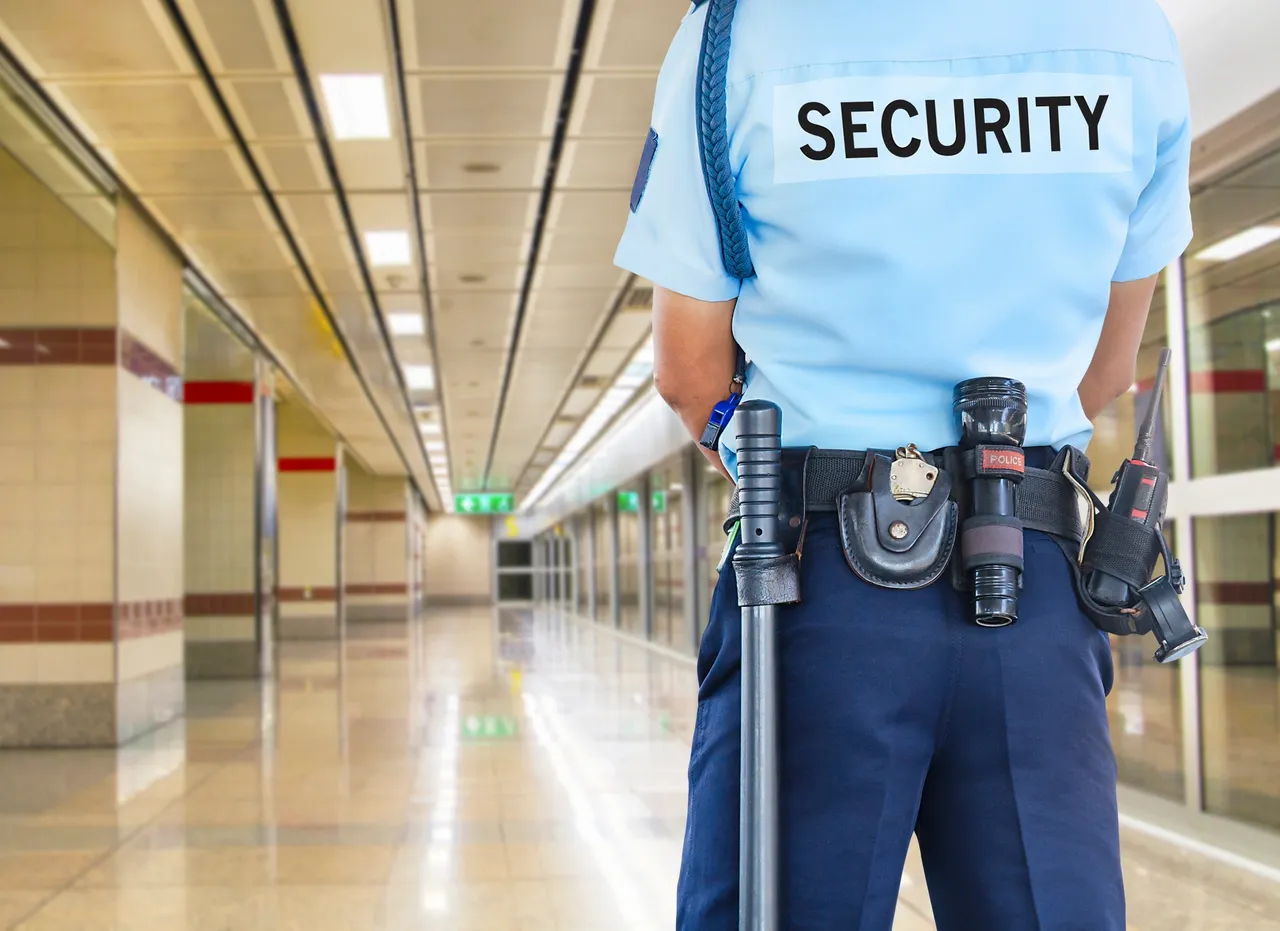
(771, 581)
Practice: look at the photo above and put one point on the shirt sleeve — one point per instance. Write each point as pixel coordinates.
(671, 236)
(1160, 226)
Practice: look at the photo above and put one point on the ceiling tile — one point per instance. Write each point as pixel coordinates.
(75, 37)
(452, 165)
(479, 210)
(481, 105)
(487, 32)
(639, 32)
(132, 111)
(294, 167)
(590, 210)
(273, 107)
(239, 213)
(207, 170)
(464, 250)
(236, 30)
(600, 163)
(615, 106)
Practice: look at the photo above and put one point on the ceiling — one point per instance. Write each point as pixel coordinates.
(515, 128)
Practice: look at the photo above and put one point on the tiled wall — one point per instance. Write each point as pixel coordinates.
(309, 525)
(149, 479)
(57, 470)
(90, 474)
(459, 560)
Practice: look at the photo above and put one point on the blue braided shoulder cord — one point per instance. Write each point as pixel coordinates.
(713, 137)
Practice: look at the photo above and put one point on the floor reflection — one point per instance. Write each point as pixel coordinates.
(477, 770)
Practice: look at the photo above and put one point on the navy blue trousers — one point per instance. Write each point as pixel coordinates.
(899, 715)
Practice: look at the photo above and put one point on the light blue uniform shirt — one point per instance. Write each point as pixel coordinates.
(895, 255)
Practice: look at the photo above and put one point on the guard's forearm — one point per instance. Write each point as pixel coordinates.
(1102, 385)
(695, 423)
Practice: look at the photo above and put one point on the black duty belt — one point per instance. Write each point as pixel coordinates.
(1047, 499)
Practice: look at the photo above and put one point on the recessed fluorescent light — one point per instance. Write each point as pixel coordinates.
(357, 105)
(1240, 244)
(429, 429)
(406, 324)
(388, 247)
(420, 377)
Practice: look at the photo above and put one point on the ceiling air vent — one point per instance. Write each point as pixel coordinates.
(639, 298)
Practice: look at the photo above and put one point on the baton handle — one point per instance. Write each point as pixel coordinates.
(759, 477)
(759, 494)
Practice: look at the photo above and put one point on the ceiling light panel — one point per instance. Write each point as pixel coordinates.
(388, 248)
(420, 377)
(1242, 243)
(356, 105)
(406, 324)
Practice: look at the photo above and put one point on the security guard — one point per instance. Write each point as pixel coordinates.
(876, 201)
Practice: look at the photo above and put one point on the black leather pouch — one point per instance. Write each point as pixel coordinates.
(896, 544)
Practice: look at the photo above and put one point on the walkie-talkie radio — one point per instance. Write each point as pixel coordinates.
(1121, 557)
(1141, 491)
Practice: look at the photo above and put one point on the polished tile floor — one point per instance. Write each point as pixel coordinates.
(472, 772)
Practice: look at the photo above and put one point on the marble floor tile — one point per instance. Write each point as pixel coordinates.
(422, 778)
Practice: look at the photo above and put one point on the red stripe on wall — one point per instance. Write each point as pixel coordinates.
(377, 588)
(218, 392)
(1242, 381)
(375, 517)
(303, 464)
(1235, 593)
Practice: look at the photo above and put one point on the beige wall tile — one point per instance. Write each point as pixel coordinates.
(142, 656)
(54, 270)
(74, 662)
(149, 493)
(17, 663)
(149, 282)
(219, 629)
(459, 556)
(308, 525)
(219, 498)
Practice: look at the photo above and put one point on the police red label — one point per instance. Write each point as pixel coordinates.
(1003, 460)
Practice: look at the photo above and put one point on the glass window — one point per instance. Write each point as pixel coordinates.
(1233, 295)
(604, 592)
(629, 618)
(714, 493)
(668, 546)
(1115, 430)
(1236, 564)
(1145, 713)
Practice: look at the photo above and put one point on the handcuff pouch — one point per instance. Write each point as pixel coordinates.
(895, 544)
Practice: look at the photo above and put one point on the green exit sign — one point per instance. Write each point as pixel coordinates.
(629, 502)
(484, 503)
(489, 727)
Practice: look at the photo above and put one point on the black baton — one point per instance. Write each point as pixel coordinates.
(759, 427)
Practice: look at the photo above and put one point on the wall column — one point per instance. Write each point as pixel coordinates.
(378, 547)
(221, 506)
(309, 501)
(91, 477)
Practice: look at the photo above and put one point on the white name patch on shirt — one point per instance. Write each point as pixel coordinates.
(867, 127)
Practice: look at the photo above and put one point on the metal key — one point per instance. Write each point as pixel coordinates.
(911, 477)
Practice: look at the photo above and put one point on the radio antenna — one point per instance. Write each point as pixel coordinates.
(1146, 434)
